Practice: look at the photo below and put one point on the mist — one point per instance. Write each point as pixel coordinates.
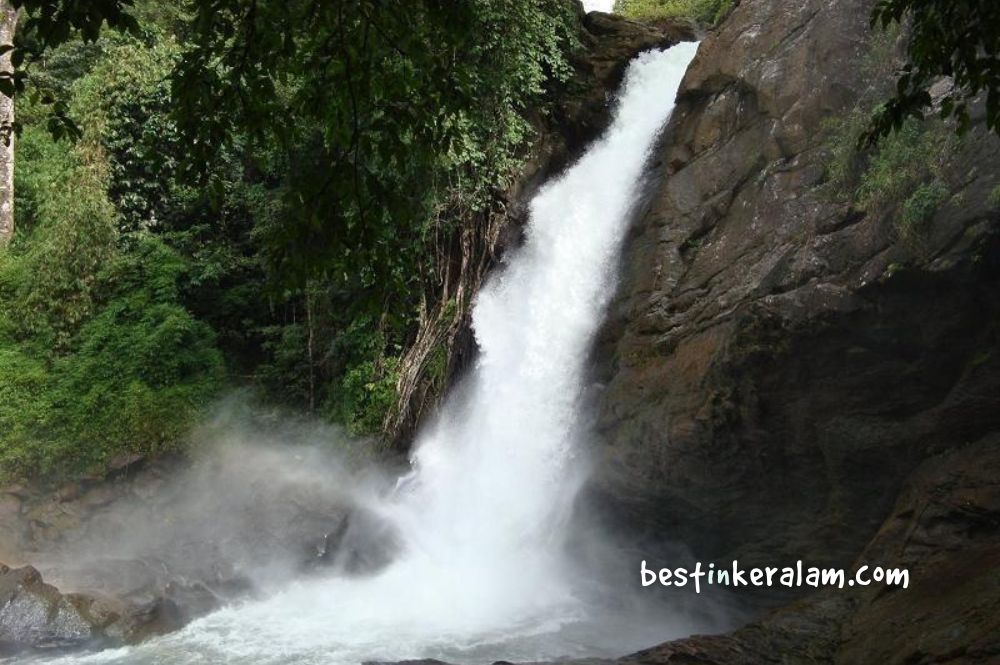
(261, 501)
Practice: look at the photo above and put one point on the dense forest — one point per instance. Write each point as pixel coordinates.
(177, 236)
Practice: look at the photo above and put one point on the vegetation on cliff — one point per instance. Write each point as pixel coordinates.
(706, 12)
(902, 173)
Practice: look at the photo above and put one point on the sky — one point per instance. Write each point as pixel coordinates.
(598, 5)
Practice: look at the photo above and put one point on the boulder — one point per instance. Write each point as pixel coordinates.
(37, 616)
(34, 614)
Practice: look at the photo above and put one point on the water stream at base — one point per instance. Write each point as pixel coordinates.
(483, 574)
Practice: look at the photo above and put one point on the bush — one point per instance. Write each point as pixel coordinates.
(920, 207)
(364, 392)
(364, 395)
(844, 162)
(97, 353)
(902, 162)
(67, 233)
(134, 378)
(707, 12)
(902, 173)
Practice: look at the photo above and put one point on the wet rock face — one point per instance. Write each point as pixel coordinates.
(944, 528)
(777, 362)
(945, 531)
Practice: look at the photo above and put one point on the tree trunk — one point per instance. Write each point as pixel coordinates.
(8, 23)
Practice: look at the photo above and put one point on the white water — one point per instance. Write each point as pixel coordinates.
(484, 574)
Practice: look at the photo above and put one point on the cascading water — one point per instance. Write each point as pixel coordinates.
(482, 573)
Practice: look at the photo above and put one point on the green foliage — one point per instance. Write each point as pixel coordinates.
(903, 171)
(707, 12)
(133, 378)
(401, 116)
(123, 102)
(399, 121)
(262, 184)
(365, 393)
(53, 22)
(960, 40)
(921, 206)
(902, 162)
(98, 354)
(408, 114)
(25, 383)
(282, 338)
(844, 161)
(437, 366)
(50, 288)
(44, 26)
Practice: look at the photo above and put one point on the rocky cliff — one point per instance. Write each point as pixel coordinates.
(806, 365)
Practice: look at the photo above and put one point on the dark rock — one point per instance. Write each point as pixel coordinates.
(781, 369)
(99, 495)
(155, 618)
(125, 463)
(17, 489)
(801, 633)
(70, 492)
(422, 661)
(190, 600)
(10, 505)
(147, 552)
(612, 41)
(14, 531)
(573, 661)
(945, 531)
(770, 379)
(362, 543)
(35, 615)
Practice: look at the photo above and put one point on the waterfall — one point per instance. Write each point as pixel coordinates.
(495, 477)
(482, 572)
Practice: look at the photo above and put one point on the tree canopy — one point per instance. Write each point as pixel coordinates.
(397, 110)
(959, 39)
